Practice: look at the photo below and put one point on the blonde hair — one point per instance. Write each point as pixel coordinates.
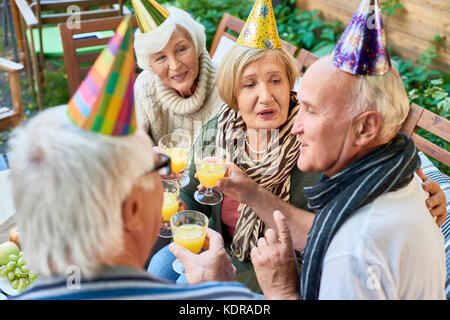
(237, 59)
(68, 185)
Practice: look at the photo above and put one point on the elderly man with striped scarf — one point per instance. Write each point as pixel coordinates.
(372, 236)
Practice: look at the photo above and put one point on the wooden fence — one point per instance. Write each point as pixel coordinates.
(408, 31)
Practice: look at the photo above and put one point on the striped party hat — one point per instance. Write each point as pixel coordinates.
(362, 48)
(260, 29)
(104, 101)
(149, 14)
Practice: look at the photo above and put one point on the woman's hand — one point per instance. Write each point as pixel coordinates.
(237, 185)
(436, 202)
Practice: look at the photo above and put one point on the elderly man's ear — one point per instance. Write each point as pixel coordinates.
(367, 127)
(131, 211)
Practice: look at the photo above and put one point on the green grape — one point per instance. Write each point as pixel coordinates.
(13, 257)
(18, 273)
(32, 276)
(21, 287)
(11, 276)
(21, 254)
(3, 271)
(11, 266)
(25, 268)
(15, 284)
(21, 261)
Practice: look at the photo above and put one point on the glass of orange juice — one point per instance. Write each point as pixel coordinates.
(170, 206)
(177, 147)
(189, 230)
(210, 162)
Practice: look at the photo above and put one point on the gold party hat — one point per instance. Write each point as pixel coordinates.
(149, 14)
(260, 29)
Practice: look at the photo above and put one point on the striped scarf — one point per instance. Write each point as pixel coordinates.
(388, 168)
(273, 172)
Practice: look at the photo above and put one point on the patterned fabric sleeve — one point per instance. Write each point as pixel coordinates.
(444, 182)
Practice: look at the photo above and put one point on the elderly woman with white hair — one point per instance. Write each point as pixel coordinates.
(176, 89)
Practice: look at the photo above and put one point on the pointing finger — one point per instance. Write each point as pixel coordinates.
(283, 229)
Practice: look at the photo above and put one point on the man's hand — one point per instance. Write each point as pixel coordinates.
(275, 262)
(213, 264)
(436, 203)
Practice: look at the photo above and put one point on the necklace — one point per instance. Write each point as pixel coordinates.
(253, 150)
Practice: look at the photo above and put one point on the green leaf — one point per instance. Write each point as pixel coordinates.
(308, 39)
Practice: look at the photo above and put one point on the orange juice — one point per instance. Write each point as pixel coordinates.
(211, 170)
(170, 205)
(190, 236)
(178, 158)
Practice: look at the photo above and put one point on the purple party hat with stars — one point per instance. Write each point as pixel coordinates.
(362, 48)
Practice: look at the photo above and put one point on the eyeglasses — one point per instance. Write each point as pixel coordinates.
(162, 165)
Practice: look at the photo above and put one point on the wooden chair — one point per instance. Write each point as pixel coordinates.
(419, 117)
(305, 59)
(14, 116)
(74, 61)
(38, 29)
(222, 43)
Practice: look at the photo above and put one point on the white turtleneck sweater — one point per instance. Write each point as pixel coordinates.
(161, 110)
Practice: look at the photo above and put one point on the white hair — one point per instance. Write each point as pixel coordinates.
(384, 94)
(68, 185)
(145, 44)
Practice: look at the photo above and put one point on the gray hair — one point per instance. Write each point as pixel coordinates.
(145, 44)
(384, 94)
(68, 185)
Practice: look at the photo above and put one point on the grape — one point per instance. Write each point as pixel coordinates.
(18, 273)
(15, 284)
(20, 261)
(21, 287)
(3, 271)
(11, 276)
(32, 276)
(11, 266)
(20, 254)
(25, 268)
(13, 257)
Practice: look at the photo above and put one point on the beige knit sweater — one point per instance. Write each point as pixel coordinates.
(161, 110)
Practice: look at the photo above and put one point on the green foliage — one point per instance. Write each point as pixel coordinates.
(303, 29)
(429, 89)
(390, 6)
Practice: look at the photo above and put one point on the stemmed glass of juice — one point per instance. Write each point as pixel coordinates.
(210, 162)
(177, 147)
(189, 230)
(170, 205)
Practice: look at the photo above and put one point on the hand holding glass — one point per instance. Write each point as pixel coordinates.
(210, 162)
(189, 230)
(177, 147)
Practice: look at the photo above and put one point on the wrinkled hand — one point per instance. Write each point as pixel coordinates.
(436, 202)
(237, 185)
(213, 264)
(275, 263)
